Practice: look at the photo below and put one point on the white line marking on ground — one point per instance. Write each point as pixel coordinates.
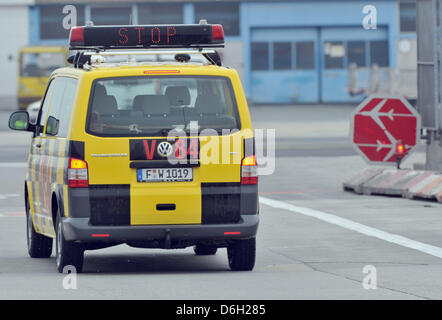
(351, 225)
(13, 164)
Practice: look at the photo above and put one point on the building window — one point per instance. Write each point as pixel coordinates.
(51, 21)
(111, 15)
(407, 16)
(226, 14)
(260, 55)
(282, 56)
(169, 13)
(305, 55)
(334, 55)
(379, 53)
(356, 53)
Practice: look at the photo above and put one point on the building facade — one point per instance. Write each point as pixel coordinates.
(14, 32)
(286, 52)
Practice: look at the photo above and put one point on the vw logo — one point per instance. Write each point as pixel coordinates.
(165, 149)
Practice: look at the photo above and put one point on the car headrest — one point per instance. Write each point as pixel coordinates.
(105, 105)
(208, 104)
(137, 104)
(100, 90)
(178, 95)
(153, 104)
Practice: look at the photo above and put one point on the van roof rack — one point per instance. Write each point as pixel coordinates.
(82, 58)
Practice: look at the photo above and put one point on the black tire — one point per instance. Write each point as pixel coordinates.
(242, 255)
(202, 250)
(39, 246)
(68, 253)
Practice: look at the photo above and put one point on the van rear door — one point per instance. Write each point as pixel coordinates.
(159, 145)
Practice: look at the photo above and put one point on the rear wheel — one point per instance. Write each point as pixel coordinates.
(68, 253)
(39, 246)
(202, 250)
(242, 254)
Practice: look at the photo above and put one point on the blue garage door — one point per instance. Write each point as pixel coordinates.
(310, 65)
(284, 65)
(342, 46)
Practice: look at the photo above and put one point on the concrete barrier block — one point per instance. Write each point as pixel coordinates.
(355, 183)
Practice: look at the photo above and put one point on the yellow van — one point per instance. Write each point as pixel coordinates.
(36, 63)
(153, 155)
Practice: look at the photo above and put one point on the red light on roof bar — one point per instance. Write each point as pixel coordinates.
(217, 32)
(76, 36)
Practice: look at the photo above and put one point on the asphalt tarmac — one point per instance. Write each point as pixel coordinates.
(315, 241)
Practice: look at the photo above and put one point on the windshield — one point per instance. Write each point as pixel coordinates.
(40, 64)
(149, 106)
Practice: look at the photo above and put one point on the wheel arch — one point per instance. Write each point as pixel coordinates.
(56, 204)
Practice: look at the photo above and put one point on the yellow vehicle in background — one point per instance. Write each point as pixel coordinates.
(35, 67)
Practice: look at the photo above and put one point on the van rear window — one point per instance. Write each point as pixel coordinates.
(151, 106)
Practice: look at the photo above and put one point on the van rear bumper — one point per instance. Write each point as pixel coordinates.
(79, 229)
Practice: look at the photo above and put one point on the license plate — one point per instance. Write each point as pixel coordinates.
(164, 174)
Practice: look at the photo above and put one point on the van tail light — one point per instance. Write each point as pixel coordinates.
(77, 173)
(249, 170)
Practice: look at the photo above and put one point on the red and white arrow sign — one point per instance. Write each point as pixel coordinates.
(377, 125)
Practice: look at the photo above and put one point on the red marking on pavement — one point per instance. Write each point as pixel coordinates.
(15, 214)
(293, 192)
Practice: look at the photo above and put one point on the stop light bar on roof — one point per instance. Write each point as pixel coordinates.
(147, 36)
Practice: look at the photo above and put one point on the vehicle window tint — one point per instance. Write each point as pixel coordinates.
(45, 106)
(51, 21)
(334, 55)
(356, 53)
(305, 55)
(61, 106)
(260, 55)
(407, 16)
(111, 15)
(151, 106)
(226, 14)
(379, 53)
(282, 56)
(159, 13)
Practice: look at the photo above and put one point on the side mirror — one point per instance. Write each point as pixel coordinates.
(52, 126)
(19, 120)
